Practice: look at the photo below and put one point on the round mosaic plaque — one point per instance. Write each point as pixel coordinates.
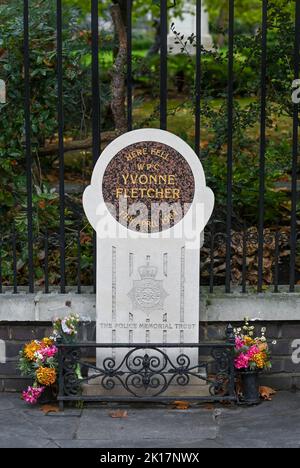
(148, 186)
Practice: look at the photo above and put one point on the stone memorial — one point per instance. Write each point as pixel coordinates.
(186, 25)
(148, 203)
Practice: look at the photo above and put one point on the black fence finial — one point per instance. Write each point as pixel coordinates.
(230, 333)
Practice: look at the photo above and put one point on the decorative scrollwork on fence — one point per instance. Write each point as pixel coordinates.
(223, 371)
(147, 372)
(71, 359)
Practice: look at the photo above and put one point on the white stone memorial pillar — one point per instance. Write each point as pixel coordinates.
(148, 202)
(187, 26)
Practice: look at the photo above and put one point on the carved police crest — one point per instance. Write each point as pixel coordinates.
(148, 293)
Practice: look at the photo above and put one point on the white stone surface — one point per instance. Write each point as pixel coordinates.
(23, 307)
(187, 26)
(148, 283)
(216, 307)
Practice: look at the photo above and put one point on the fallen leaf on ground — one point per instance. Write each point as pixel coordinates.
(226, 403)
(119, 414)
(181, 405)
(209, 406)
(266, 393)
(239, 388)
(50, 409)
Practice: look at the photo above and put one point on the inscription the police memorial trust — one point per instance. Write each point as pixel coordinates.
(148, 325)
(148, 186)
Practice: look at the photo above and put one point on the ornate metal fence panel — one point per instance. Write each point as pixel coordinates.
(146, 372)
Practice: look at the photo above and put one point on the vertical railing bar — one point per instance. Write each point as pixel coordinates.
(244, 267)
(60, 112)
(1, 279)
(229, 146)
(94, 262)
(46, 266)
(129, 65)
(293, 237)
(78, 263)
(61, 376)
(15, 269)
(95, 81)
(28, 147)
(198, 79)
(163, 63)
(230, 339)
(211, 264)
(262, 145)
(276, 263)
(95, 110)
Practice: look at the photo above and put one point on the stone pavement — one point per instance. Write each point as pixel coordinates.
(273, 424)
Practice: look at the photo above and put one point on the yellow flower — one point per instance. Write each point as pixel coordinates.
(260, 360)
(47, 341)
(248, 340)
(30, 349)
(46, 376)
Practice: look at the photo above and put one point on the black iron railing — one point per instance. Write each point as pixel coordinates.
(243, 266)
(146, 372)
(31, 244)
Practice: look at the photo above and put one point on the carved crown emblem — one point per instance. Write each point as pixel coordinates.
(147, 271)
(148, 293)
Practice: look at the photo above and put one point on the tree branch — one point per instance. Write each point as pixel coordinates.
(76, 145)
(118, 74)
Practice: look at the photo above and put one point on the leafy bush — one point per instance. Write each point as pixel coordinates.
(43, 82)
(246, 183)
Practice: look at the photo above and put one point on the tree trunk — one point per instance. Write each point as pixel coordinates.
(118, 74)
(155, 48)
(221, 24)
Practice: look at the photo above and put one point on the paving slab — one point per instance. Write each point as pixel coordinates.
(269, 425)
(155, 425)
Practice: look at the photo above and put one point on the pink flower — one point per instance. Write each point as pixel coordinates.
(242, 361)
(32, 394)
(48, 352)
(252, 351)
(239, 343)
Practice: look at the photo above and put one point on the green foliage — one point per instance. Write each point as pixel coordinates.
(43, 88)
(246, 183)
(246, 132)
(181, 76)
(26, 368)
(44, 127)
(141, 8)
(247, 12)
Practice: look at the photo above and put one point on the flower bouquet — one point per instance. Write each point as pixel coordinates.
(38, 360)
(66, 329)
(252, 356)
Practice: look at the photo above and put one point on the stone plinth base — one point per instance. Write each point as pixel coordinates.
(195, 388)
